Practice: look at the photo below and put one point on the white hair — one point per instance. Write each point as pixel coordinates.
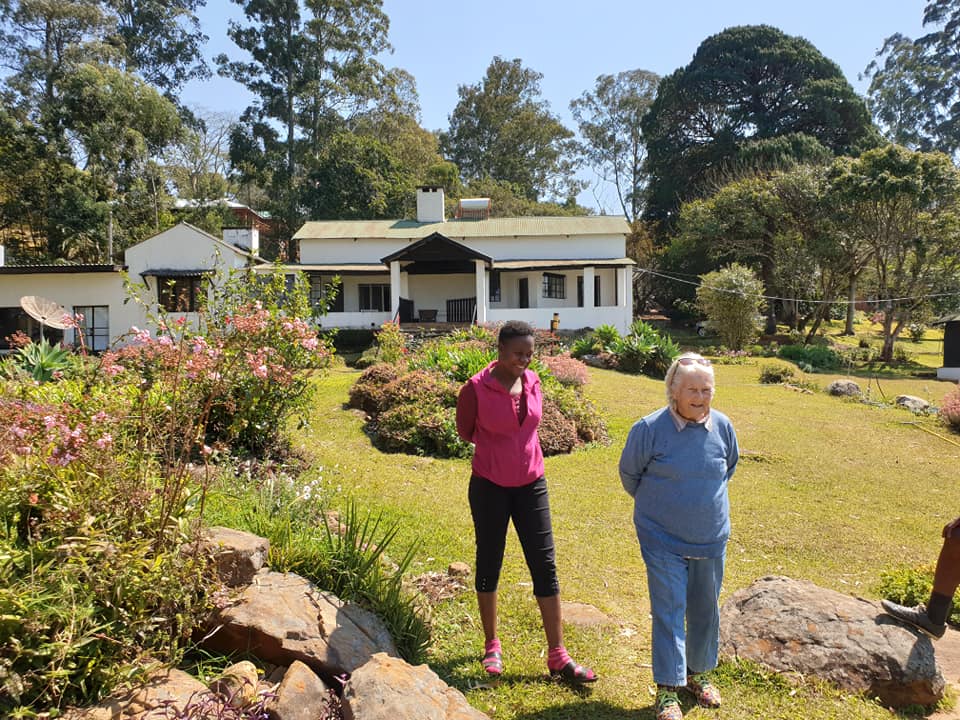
(678, 370)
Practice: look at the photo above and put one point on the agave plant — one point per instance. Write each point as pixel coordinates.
(42, 360)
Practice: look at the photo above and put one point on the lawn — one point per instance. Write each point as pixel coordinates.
(829, 490)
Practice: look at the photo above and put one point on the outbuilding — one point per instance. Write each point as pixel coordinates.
(951, 347)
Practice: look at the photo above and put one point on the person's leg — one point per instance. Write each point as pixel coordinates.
(667, 583)
(490, 509)
(530, 512)
(946, 579)
(703, 626)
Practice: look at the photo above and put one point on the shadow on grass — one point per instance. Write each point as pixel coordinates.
(593, 709)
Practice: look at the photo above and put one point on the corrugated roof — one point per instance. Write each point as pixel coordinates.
(329, 268)
(58, 269)
(461, 229)
(547, 264)
(954, 317)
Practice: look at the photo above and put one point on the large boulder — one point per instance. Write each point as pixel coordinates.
(282, 617)
(912, 403)
(301, 696)
(171, 689)
(796, 626)
(387, 688)
(844, 388)
(236, 555)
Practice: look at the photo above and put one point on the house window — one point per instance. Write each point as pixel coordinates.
(375, 297)
(95, 326)
(179, 294)
(321, 286)
(554, 286)
(494, 286)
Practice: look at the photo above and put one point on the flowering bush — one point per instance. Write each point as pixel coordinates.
(367, 392)
(950, 409)
(391, 342)
(567, 370)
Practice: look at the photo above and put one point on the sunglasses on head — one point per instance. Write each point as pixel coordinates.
(691, 361)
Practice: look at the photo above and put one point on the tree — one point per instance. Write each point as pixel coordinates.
(198, 165)
(501, 129)
(746, 87)
(915, 84)
(610, 123)
(309, 70)
(730, 298)
(903, 206)
(162, 41)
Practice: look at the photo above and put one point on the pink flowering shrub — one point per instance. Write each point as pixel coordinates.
(950, 409)
(567, 370)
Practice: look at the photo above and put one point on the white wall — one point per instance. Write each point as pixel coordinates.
(371, 250)
(570, 318)
(431, 292)
(180, 248)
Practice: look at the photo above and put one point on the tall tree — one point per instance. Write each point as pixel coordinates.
(613, 145)
(503, 130)
(309, 68)
(915, 84)
(162, 41)
(905, 207)
(745, 88)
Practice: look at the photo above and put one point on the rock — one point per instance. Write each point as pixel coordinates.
(301, 696)
(172, 688)
(912, 403)
(795, 626)
(583, 615)
(594, 361)
(238, 684)
(387, 688)
(237, 555)
(109, 711)
(281, 617)
(458, 570)
(844, 388)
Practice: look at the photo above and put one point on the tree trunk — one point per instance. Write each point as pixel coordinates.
(851, 309)
(886, 353)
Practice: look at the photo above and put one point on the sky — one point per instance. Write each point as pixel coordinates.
(448, 44)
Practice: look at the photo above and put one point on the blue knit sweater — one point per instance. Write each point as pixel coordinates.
(678, 480)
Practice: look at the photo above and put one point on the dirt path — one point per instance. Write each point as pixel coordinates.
(948, 657)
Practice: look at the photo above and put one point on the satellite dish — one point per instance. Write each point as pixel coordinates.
(45, 311)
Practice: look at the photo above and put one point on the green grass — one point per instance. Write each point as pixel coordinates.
(829, 490)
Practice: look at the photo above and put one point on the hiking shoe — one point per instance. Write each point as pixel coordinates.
(706, 693)
(915, 616)
(667, 704)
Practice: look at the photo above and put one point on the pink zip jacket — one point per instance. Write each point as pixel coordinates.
(507, 451)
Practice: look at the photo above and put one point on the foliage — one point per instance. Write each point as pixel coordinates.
(567, 370)
(773, 100)
(730, 298)
(902, 206)
(771, 374)
(817, 356)
(347, 556)
(950, 409)
(391, 343)
(609, 119)
(558, 433)
(212, 706)
(42, 361)
(642, 350)
(916, 330)
(501, 129)
(367, 392)
(913, 83)
(910, 586)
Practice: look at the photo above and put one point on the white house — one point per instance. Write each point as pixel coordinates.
(472, 268)
(169, 266)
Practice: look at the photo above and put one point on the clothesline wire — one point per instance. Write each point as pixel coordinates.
(641, 271)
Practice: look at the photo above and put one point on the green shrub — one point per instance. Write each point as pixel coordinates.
(775, 374)
(901, 354)
(392, 343)
(367, 392)
(817, 356)
(419, 387)
(911, 586)
(42, 361)
(420, 428)
(589, 422)
(558, 434)
(731, 298)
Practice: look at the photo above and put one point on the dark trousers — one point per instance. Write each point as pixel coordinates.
(493, 507)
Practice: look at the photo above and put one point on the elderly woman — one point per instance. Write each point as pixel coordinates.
(498, 410)
(676, 465)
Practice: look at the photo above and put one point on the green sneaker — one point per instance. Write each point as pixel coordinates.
(667, 704)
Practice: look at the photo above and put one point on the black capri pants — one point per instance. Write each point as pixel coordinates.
(492, 507)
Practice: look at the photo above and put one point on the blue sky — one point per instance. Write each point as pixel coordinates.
(447, 44)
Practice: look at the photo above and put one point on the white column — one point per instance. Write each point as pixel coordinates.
(588, 282)
(394, 287)
(483, 297)
(625, 295)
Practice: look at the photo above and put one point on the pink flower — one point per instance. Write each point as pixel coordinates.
(310, 343)
(104, 441)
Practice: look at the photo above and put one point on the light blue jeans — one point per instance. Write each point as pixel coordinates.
(683, 589)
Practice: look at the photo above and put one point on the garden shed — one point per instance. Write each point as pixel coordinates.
(951, 347)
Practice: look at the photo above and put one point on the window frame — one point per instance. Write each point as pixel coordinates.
(92, 333)
(381, 289)
(170, 292)
(554, 286)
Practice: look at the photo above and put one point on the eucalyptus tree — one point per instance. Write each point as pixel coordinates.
(609, 118)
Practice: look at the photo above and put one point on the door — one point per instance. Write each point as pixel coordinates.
(523, 288)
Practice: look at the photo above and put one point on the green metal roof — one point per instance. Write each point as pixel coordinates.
(463, 229)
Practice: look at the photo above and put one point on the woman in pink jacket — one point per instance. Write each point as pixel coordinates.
(498, 410)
